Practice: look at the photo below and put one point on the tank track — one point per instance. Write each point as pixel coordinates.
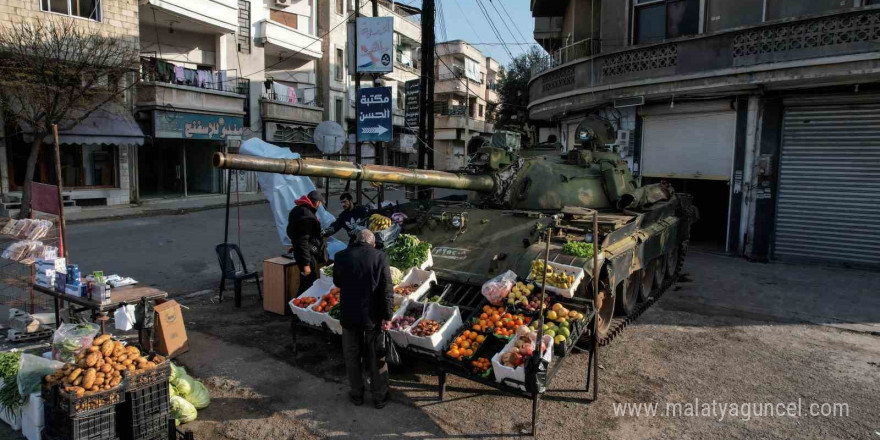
(621, 322)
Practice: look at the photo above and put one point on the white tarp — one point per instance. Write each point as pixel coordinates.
(282, 190)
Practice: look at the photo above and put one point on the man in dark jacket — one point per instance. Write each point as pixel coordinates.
(352, 218)
(307, 243)
(366, 299)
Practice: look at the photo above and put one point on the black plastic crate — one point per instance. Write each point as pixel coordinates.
(80, 406)
(144, 404)
(154, 428)
(99, 424)
(135, 381)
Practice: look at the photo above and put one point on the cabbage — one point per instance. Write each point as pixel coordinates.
(172, 391)
(184, 384)
(396, 276)
(183, 411)
(176, 372)
(199, 396)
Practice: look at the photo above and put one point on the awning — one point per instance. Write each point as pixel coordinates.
(110, 124)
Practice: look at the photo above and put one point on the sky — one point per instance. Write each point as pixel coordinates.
(464, 20)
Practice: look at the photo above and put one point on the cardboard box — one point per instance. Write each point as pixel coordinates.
(280, 284)
(170, 330)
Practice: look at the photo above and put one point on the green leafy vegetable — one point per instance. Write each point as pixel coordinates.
(335, 312)
(396, 276)
(328, 271)
(9, 396)
(184, 384)
(578, 249)
(183, 411)
(408, 252)
(199, 396)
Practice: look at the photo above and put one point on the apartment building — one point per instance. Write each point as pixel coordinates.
(336, 77)
(765, 110)
(465, 98)
(96, 156)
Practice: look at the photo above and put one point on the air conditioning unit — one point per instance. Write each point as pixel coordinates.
(283, 3)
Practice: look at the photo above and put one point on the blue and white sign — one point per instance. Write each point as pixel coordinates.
(374, 114)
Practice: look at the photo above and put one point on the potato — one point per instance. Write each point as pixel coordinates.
(80, 391)
(101, 339)
(78, 381)
(133, 351)
(75, 374)
(107, 368)
(107, 348)
(99, 381)
(119, 367)
(92, 359)
(130, 367)
(89, 378)
(94, 349)
(126, 362)
(122, 358)
(114, 382)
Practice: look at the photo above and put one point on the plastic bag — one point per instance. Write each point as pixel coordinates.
(183, 411)
(496, 289)
(31, 372)
(124, 318)
(70, 339)
(199, 395)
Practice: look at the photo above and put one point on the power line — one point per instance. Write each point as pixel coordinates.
(494, 28)
(504, 22)
(503, 8)
(466, 19)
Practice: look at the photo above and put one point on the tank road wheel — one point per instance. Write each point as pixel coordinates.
(672, 263)
(604, 308)
(626, 303)
(647, 280)
(659, 271)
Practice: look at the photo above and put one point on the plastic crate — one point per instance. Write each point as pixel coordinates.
(80, 406)
(135, 381)
(155, 428)
(144, 405)
(100, 424)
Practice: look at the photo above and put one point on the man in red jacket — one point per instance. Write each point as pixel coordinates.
(307, 243)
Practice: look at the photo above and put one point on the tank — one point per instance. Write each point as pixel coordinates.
(513, 197)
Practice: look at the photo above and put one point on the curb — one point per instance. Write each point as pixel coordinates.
(160, 211)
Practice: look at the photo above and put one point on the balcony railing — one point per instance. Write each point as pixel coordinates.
(565, 54)
(161, 71)
(290, 95)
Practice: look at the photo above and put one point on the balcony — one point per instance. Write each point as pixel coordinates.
(222, 15)
(286, 38)
(782, 54)
(548, 27)
(220, 92)
(277, 110)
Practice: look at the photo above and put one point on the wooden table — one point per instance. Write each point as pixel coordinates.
(119, 297)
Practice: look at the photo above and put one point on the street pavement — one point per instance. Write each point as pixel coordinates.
(176, 253)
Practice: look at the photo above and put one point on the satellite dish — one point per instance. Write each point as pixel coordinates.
(329, 137)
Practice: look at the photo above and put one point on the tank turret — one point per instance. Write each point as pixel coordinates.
(586, 177)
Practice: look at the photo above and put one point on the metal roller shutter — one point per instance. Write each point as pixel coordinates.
(829, 184)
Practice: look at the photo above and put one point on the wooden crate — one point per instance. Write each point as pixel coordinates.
(280, 284)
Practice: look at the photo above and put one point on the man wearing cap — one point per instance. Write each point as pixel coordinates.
(307, 243)
(352, 218)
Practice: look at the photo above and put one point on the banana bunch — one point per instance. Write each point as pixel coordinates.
(379, 222)
(559, 279)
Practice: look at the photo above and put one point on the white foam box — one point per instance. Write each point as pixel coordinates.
(33, 409)
(320, 288)
(30, 429)
(399, 336)
(418, 276)
(519, 373)
(578, 273)
(436, 342)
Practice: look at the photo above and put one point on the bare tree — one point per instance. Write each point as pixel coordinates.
(60, 72)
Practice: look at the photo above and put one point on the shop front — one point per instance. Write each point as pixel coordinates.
(178, 162)
(95, 159)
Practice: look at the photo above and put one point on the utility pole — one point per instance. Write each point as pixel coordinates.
(379, 149)
(426, 90)
(358, 146)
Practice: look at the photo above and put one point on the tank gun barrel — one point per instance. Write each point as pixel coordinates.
(350, 171)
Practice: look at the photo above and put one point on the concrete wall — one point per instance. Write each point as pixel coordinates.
(614, 30)
(189, 49)
(118, 17)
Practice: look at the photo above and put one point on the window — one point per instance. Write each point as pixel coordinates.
(657, 20)
(339, 111)
(401, 96)
(90, 9)
(340, 7)
(481, 110)
(244, 26)
(340, 63)
(288, 19)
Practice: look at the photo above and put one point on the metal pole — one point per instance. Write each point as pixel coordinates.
(185, 194)
(467, 113)
(61, 224)
(595, 338)
(357, 106)
(537, 352)
(428, 47)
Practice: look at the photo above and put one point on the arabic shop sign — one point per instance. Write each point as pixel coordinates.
(179, 125)
(375, 44)
(374, 114)
(411, 113)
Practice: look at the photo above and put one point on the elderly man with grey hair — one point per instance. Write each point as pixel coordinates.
(366, 299)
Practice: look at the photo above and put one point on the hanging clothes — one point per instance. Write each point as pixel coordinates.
(280, 92)
(291, 95)
(179, 75)
(203, 78)
(189, 76)
(165, 71)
